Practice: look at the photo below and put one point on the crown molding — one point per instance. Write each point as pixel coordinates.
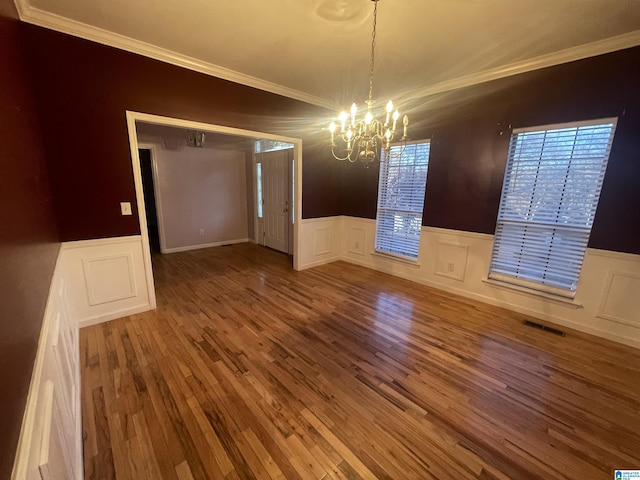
(600, 47)
(58, 23)
(52, 21)
(21, 6)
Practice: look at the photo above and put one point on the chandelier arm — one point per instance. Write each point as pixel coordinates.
(347, 157)
(354, 139)
(355, 149)
(396, 155)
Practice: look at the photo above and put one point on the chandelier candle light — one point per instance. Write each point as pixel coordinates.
(362, 139)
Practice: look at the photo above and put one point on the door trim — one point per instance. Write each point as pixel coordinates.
(133, 116)
(286, 176)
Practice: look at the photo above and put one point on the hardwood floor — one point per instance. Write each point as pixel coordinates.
(248, 369)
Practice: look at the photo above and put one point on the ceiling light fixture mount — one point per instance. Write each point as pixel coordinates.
(363, 139)
(195, 138)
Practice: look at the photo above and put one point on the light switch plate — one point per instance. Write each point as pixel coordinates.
(125, 208)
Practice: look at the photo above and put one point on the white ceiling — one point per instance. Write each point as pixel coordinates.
(318, 50)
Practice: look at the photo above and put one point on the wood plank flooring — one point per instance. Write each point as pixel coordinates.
(249, 370)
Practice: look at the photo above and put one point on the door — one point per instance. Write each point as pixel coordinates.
(275, 194)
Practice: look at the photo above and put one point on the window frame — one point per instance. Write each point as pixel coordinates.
(378, 250)
(566, 232)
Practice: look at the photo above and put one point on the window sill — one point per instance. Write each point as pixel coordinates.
(406, 261)
(566, 301)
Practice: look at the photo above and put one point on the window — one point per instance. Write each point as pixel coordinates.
(403, 180)
(259, 200)
(271, 145)
(549, 197)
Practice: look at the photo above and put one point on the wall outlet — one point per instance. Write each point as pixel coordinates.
(125, 208)
(202, 231)
(450, 267)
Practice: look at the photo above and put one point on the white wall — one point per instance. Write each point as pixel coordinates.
(201, 193)
(607, 302)
(203, 197)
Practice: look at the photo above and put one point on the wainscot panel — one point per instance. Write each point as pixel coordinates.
(108, 278)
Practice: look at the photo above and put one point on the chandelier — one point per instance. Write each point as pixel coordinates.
(362, 139)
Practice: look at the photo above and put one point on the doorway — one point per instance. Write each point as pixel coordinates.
(275, 199)
(133, 117)
(151, 209)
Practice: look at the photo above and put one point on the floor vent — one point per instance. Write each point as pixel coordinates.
(539, 326)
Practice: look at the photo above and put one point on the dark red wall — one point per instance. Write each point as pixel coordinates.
(28, 235)
(83, 92)
(470, 133)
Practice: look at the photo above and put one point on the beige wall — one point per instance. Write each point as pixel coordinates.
(198, 189)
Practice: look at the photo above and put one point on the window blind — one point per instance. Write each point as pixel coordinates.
(401, 192)
(549, 197)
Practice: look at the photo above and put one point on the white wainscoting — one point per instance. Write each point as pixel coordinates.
(320, 241)
(607, 302)
(107, 278)
(94, 281)
(621, 299)
(50, 445)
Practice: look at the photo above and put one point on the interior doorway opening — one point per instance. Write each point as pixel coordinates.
(275, 201)
(134, 118)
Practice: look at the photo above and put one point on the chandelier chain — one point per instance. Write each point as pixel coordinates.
(367, 138)
(373, 49)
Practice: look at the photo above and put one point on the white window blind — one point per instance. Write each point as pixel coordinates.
(551, 189)
(401, 191)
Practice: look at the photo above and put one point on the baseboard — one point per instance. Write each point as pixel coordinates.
(323, 261)
(205, 245)
(125, 312)
(506, 305)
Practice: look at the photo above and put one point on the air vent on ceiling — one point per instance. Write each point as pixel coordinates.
(539, 326)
